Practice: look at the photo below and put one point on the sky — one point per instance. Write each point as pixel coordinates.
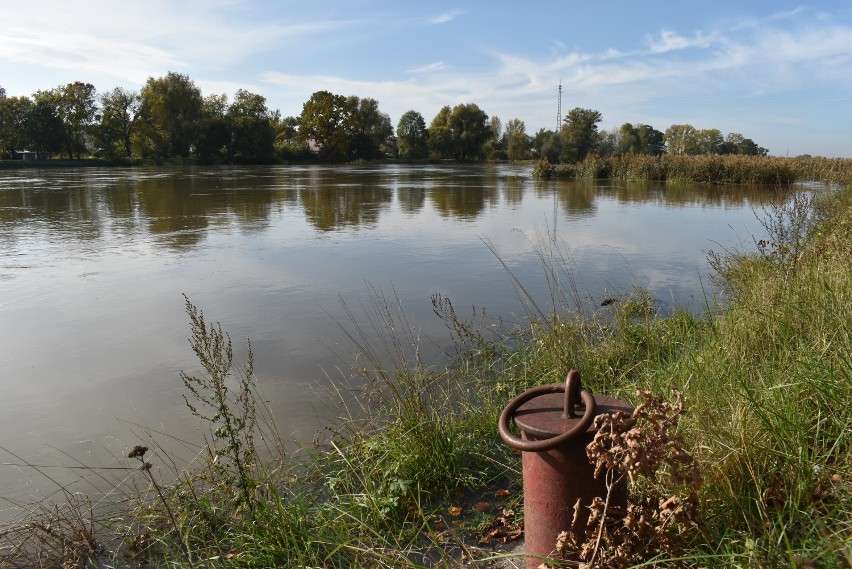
(777, 72)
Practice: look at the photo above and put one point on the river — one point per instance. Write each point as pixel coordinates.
(94, 263)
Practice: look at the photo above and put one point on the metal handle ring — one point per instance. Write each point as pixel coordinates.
(553, 442)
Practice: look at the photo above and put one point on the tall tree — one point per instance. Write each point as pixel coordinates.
(651, 140)
(76, 105)
(369, 128)
(43, 129)
(412, 136)
(170, 111)
(325, 122)
(213, 132)
(470, 130)
(119, 114)
(517, 141)
(440, 138)
(13, 123)
(709, 140)
(252, 137)
(681, 139)
(579, 133)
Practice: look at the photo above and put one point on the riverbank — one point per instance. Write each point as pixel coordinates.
(702, 169)
(415, 475)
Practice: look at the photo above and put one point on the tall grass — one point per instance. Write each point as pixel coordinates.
(703, 169)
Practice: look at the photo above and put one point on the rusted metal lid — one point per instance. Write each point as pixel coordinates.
(544, 416)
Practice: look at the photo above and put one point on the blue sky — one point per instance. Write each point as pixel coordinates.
(778, 72)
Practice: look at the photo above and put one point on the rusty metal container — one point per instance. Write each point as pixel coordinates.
(556, 424)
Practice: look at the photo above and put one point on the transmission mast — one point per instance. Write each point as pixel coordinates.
(559, 109)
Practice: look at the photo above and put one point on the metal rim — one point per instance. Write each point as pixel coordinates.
(553, 442)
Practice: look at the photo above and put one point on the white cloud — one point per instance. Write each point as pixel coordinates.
(446, 17)
(670, 41)
(437, 66)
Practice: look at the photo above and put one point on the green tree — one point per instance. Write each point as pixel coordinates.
(76, 105)
(369, 129)
(13, 119)
(213, 131)
(651, 140)
(325, 121)
(287, 145)
(517, 141)
(681, 139)
(579, 134)
(440, 138)
(412, 136)
(538, 140)
(171, 109)
(628, 140)
(119, 115)
(736, 143)
(470, 130)
(252, 136)
(552, 147)
(43, 129)
(709, 141)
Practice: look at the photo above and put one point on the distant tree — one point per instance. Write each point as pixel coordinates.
(681, 139)
(76, 105)
(441, 143)
(14, 112)
(287, 146)
(326, 122)
(170, 113)
(2, 92)
(517, 141)
(736, 143)
(651, 140)
(369, 129)
(609, 142)
(213, 133)
(538, 141)
(470, 130)
(496, 127)
(709, 141)
(43, 129)
(552, 148)
(579, 134)
(495, 147)
(119, 115)
(412, 136)
(628, 140)
(251, 133)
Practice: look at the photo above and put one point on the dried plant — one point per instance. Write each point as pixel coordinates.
(233, 415)
(644, 449)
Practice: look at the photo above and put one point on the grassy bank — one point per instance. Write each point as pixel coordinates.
(704, 169)
(414, 473)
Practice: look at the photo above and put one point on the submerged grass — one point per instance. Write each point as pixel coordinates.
(414, 474)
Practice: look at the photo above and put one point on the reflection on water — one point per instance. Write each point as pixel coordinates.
(183, 204)
(93, 264)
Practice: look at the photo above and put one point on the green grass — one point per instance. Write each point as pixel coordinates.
(702, 169)
(767, 380)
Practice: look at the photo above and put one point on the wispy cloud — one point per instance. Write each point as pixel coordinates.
(437, 66)
(446, 17)
(671, 41)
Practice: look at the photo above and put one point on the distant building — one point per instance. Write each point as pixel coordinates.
(25, 155)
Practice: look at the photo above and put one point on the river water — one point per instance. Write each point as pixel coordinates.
(94, 263)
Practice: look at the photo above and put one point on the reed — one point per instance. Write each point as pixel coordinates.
(703, 169)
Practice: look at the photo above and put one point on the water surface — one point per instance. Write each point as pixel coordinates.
(94, 263)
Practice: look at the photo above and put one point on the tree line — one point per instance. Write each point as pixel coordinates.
(169, 118)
